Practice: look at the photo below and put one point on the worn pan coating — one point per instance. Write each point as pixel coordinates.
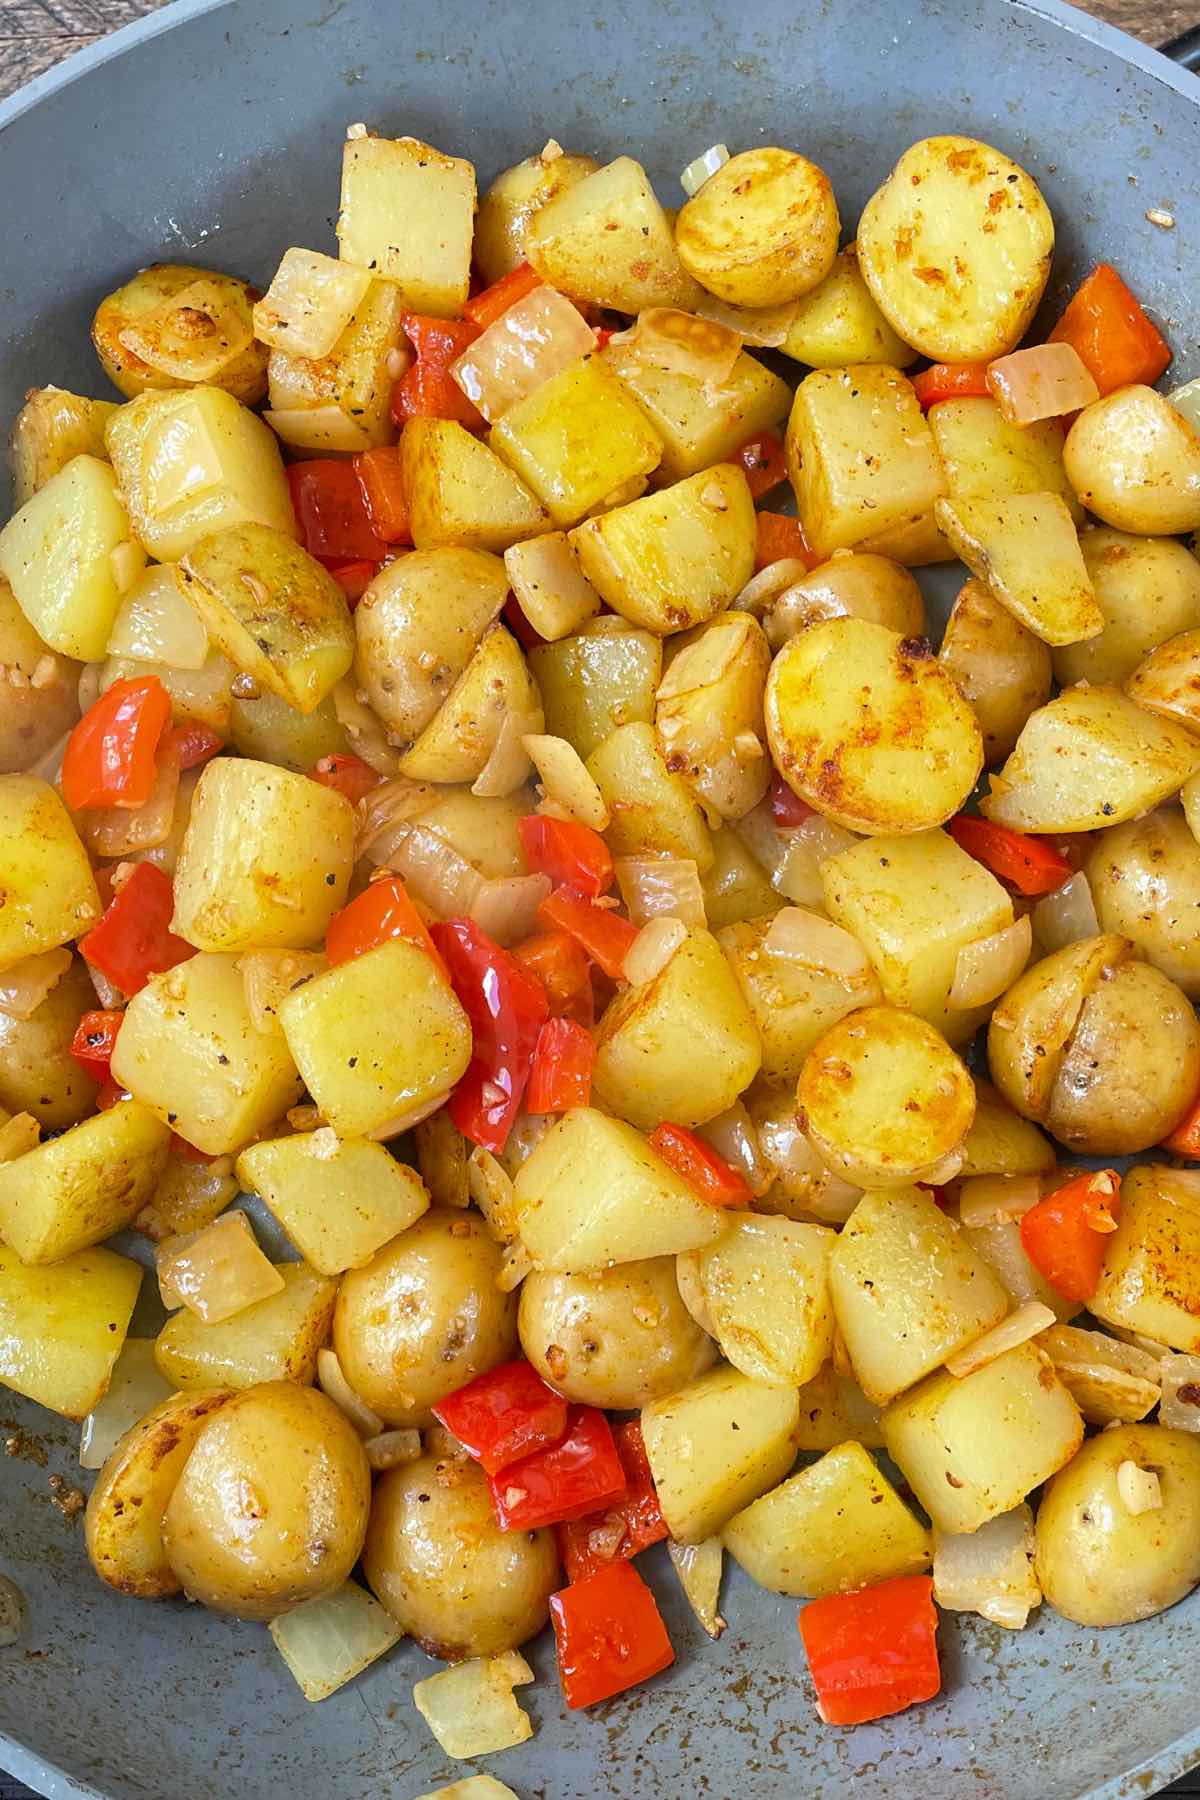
(211, 133)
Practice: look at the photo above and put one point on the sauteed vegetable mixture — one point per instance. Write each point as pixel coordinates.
(677, 1022)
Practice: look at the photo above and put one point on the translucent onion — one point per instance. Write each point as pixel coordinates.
(1043, 382)
(48, 766)
(534, 339)
(984, 1199)
(1180, 1376)
(732, 1135)
(656, 886)
(471, 1709)
(506, 906)
(797, 876)
(515, 1265)
(191, 335)
(1186, 399)
(332, 1382)
(385, 816)
(701, 167)
(311, 300)
(1066, 916)
(216, 1272)
(764, 326)
(565, 779)
(154, 623)
(367, 736)
(681, 343)
(989, 1571)
(17, 1135)
(698, 1567)
(204, 694)
(109, 996)
(551, 589)
(814, 942)
(136, 1386)
(527, 1133)
(24, 985)
(763, 590)
(435, 873)
(987, 968)
(701, 664)
(390, 1449)
(1025, 1323)
(652, 949)
(321, 429)
(1110, 1382)
(493, 1193)
(269, 976)
(127, 831)
(327, 1642)
(508, 766)
(793, 1158)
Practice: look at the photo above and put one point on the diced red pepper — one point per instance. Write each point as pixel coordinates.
(386, 501)
(609, 1633)
(706, 1173)
(874, 1652)
(485, 308)
(519, 625)
(603, 335)
(427, 390)
(951, 381)
(561, 1076)
(134, 940)
(580, 1474)
(632, 1525)
(94, 1041)
(1110, 333)
(605, 935)
(346, 774)
(787, 809)
(111, 1094)
(331, 512)
(382, 911)
(762, 459)
(1066, 1235)
(562, 967)
(1029, 864)
(572, 855)
(354, 578)
(507, 1008)
(779, 537)
(193, 743)
(1185, 1139)
(504, 1415)
(110, 755)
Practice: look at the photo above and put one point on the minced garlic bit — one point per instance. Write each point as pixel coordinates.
(357, 130)
(1157, 216)
(1140, 1489)
(552, 150)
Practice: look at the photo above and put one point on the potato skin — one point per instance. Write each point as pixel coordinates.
(424, 1316)
(245, 376)
(1134, 461)
(1148, 590)
(762, 230)
(37, 1072)
(620, 1337)
(271, 1508)
(1000, 667)
(1145, 881)
(32, 719)
(1099, 1564)
(437, 1560)
(860, 585)
(510, 203)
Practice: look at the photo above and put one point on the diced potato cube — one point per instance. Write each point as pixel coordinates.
(551, 589)
(62, 1327)
(577, 439)
(276, 1339)
(652, 812)
(376, 1038)
(709, 713)
(311, 300)
(493, 703)
(606, 239)
(766, 1287)
(265, 860)
(270, 730)
(837, 323)
(985, 457)
(681, 1046)
(339, 1200)
(908, 1290)
(68, 556)
(592, 1193)
(834, 1410)
(192, 463)
(188, 1049)
(604, 676)
(673, 559)
(74, 1190)
(51, 428)
(792, 1004)
(459, 491)
(407, 213)
(974, 1448)
(1000, 1141)
(49, 894)
(715, 1446)
(1025, 547)
(342, 400)
(700, 426)
(1150, 1282)
(836, 1526)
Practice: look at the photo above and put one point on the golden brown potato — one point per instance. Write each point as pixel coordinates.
(762, 230)
(838, 323)
(458, 491)
(493, 690)
(856, 586)
(173, 325)
(511, 201)
(1145, 882)
(53, 426)
(1147, 588)
(33, 716)
(424, 1316)
(804, 1187)
(985, 457)
(1000, 1141)
(269, 730)
(765, 1287)
(1000, 667)
(38, 1074)
(271, 1507)
(652, 811)
(1150, 1282)
(438, 1561)
(407, 211)
(606, 239)
(792, 1002)
(1025, 547)
(1168, 680)
(340, 401)
(1134, 461)
(620, 1337)
(709, 713)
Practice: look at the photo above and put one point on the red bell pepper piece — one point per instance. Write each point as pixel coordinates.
(382, 911)
(1110, 333)
(331, 512)
(780, 536)
(1066, 1234)
(874, 1652)
(1029, 864)
(193, 743)
(609, 1633)
(519, 625)
(1185, 1139)
(632, 1525)
(787, 809)
(485, 308)
(347, 775)
(134, 940)
(507, 1008)
(580, 1474)
(572, 855)
(354, 578)
(709, 1175)
(427, 390)
(561, 1076)
(604, 934)
(110, 755)
(559, 963)
(504, 1415)
(111, 1094)
(382, 485)
(951, 381)
(762, 459)
(94, 1041)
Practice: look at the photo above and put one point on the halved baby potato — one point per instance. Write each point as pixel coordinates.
(494, 689)
(173, 325)
(998, 664)
(1134, 461)
(1147, 589)
(1167, 682)
(853, 585)
(838, 323)
(516, 194)
(762, 230)
(1025, 548)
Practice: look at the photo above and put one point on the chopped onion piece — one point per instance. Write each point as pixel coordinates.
(434, 872)
(527, 1133)
(386, 814)
(765, 326)
(984, 1199)
(332, 1382)
(987, 968)
(815, 942)
(733, 1136)
(1043, 382)
(939, 1174)
(989, 1571)
(389, 1449)
(565, 779)
(807, 846)
(654, 886)
(191, 335)
(135, 1388)
(48, 766)
(216, 1272)
(505, 906)
(368, 738)
(508, 767)
(551, 589)
(327, 1642)
(1066, 916)
(1180, 1377)
(318, 428)
(1140, 1489)
(127, 831)
(682, 343)
(701, 167)
(475, 1787)
(1186, 399)
(24, 985)
(311, 300)
(493, 1193)
(471, 1709)
(788, 1151)
(154, 623)
(1110, 1382)
(763, 590)
(652, 949)
(1025, 1323)
(17, 1135)
(269, 976)
(701, 664)
(536, 338)
(698, 1567)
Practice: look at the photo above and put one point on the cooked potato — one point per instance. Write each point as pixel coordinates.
(124, 1519)
(172, 326)
(1000, 667)
(276, 1339)
(956, 248)
(766, 1290)
(1134, 461)
(271, 1506)
(269, 730)
(618, 1337)
(1101, 1563)
(836, 1526)
(1168, 681)
(1000, 1142)
(695, 432)
(908, 1290)
(1150, 1282)
(38, 1074)
(709, 715)
(32, 718)
(76, 1189)
(593, 1193)
(866, 726)
(762, 230)
(837, 323)
(1147, 589)
(50, 893)
(1087, 759)
(804, 1187)
(459, 491)
(605, 239)
(1032, 1025)
(604, 676)
(516, 194)
(68, 553)
(189, 1196)
(445, 1570)
(985, 457)
(551, 590)
(1024, 548)
(835, 1411)
(342, 401)
(792, 1003)
(62, 1327)
(715, 1446)
(53, 426)
(407, 212)
(652, 811)
(736, 886)
(1145, 882)
(494, 688)
(339, 1199)
(852, 586)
